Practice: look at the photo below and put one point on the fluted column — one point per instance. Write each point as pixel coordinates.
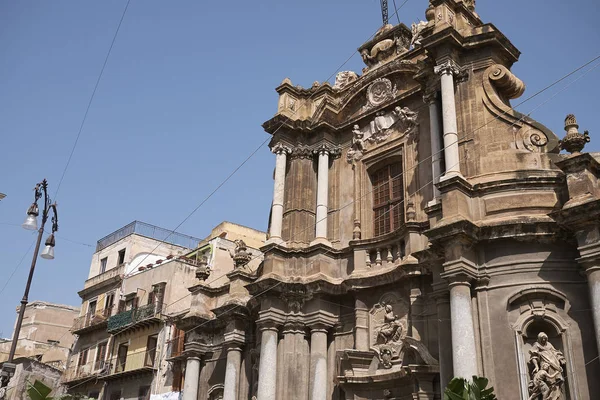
(447, 70)
(267, 369)
(464, 352)
(278, 193)
(318, 362)
(322, 195)
(436, 144)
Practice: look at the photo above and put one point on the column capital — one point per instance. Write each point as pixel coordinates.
(234, 339)
(268, 325)
(194, 350)
(294, 327)
(430, 97)
(328, 149)
(281, 148)
(319, 327)
(447, 67)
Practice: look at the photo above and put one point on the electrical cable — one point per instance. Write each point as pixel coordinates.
(87, 110)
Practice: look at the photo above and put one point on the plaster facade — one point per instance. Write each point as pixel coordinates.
(44, 333)
(421, 229)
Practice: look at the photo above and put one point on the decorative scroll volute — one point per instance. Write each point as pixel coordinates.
(500, 85)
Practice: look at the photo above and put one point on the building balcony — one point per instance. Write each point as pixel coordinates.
(133, 318)
(90, 322)
(110, 277)
(137, 362)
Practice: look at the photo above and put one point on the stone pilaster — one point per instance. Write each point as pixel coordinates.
(442, 301)
(447, 70)
(361, 330)
(281, 152)
(295, 369)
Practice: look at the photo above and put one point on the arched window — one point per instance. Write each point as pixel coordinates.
(388, 192)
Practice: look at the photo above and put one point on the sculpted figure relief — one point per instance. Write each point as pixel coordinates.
(344, 78)
(416, 33)
(547, 376)
(391, 330)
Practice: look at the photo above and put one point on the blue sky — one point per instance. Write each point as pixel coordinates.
(181, 102)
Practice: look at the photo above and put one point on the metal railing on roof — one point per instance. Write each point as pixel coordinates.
(149, 231)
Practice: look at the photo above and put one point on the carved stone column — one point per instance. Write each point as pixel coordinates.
(193, 366)
(267, 370)
(281, 152)
(234, 340)
(447, 70)
(436, 144)
(318, 362)
(322, 195)
(464, 352)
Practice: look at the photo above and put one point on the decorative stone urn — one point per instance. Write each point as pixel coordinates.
(574, 141)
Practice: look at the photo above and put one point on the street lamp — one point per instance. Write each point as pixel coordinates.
(41, 189)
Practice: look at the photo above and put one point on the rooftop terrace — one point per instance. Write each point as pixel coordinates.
(149, 231)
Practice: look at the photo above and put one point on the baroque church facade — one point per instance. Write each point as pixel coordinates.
(421, 229)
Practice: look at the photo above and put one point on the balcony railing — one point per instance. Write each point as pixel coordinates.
(134, 361)
(91, 320)
(111, 273)
(77, 372)
(150, 231)
(131, 317)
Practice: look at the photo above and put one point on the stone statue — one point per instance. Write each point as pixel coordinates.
(416, 33)
(548, 366)
(407, 116)
(357, 138)
(391, 329)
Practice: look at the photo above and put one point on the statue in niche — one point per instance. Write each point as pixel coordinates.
(548, 363)
(391, 330)
(389, 335)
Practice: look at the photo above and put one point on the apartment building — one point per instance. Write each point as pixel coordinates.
(44, 335)
(128, 346)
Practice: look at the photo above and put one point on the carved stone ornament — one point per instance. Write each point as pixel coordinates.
(344, 78)
(416, 30)
(389, 42)
(547, 370)
(574, 141)
(389, 340)
(295, 296)
(380, 128)
(280, 148)
(241, 256)
(301, 151)
(380, 91)
(447, 67)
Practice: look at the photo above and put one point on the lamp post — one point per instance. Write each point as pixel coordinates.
(41, 190)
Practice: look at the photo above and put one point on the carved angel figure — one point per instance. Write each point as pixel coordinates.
(357, 138)
(547, 375)
(416, 33)
(406, 115)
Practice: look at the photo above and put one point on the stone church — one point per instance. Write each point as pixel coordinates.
(420, 229)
